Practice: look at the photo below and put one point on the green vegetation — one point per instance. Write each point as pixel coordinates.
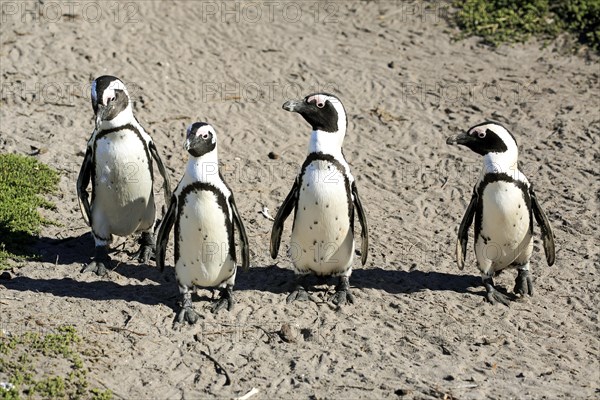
(26, 360)
(501, 21)
(22, 182)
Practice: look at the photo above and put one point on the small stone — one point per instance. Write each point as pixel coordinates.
(273, 156)
(286, 333)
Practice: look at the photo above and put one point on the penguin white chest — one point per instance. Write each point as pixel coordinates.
(123, 198)
(505, 233)
(203, 235)
(322, 240)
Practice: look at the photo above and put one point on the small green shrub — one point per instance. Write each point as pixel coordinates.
(505, 21)
(29, 361)
(23, 181)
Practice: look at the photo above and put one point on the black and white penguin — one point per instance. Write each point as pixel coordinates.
(503, 205)
(204, 213)
(119, 163)
(324, 197)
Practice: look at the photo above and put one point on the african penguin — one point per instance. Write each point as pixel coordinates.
(204, 213)
(324, 197)
(503, 205)
(118, 162)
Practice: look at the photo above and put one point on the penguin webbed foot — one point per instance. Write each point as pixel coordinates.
(100, 263)
(225, 301)
(299, 292)
(147, 247)
(494, 296)
(187, 312)
(523, 284)
(342, 295)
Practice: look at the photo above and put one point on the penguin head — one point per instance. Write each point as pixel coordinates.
(323, 111)
(109, 97)
(495, 143)
(486, 138)
(201, 139)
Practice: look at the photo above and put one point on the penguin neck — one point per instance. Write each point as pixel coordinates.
(204, 168)
(505, 162)
(123, 118)
(326, 142)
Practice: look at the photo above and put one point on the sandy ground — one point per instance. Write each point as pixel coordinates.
(420, 327)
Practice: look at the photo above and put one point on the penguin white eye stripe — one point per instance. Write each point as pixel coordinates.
(318, 99)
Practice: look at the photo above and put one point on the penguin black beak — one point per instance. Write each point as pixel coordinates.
(294, 105)
(463, 138)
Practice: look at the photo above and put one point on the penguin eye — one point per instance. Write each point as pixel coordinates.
(205, 136)
(320, 105)
(481, 135)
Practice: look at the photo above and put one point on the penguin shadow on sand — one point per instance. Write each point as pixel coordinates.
(78, 250)
(272, 278)
(399, 281)
(279, 279)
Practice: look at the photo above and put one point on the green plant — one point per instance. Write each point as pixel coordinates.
(30, 361)
(582, 17)
(23, 181)
(502, 21)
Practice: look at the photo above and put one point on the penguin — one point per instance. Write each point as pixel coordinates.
(204, 214)
(325, 198)
(503, 205)
(119, 164)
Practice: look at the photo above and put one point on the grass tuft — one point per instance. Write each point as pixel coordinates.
(506, 21)
(23, 181)
(26, 360)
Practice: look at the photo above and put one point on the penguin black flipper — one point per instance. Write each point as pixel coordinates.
(245, 249)
(362, 218)
(83, 180)
(162, 239)
(546, 228)
(284, 211)
(162, 170)
(463, 231)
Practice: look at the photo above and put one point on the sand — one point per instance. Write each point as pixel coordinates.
(420, 327)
